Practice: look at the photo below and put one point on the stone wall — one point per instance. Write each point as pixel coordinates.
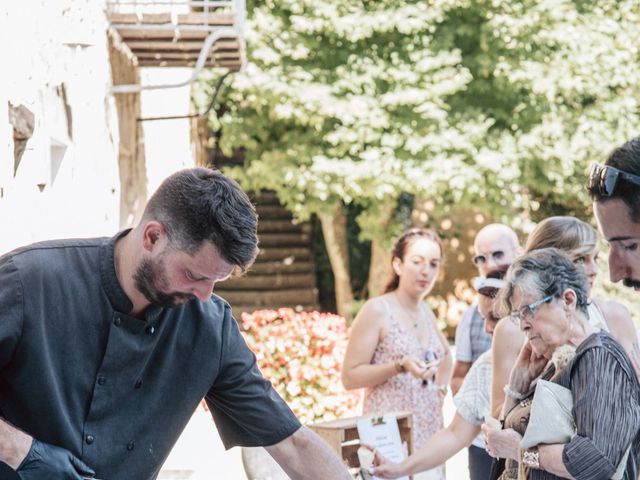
(55, 59)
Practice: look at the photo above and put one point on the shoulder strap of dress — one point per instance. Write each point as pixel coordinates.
(385, 302)
(595, 308)
(432, 321)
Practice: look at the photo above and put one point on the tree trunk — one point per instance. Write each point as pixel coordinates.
(334, 229)
(379, 268)
(380, 265)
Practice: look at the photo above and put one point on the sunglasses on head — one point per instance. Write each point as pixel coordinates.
(603, 179)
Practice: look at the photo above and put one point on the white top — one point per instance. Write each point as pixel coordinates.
(595, 317)
(463, 336)
(473, 400)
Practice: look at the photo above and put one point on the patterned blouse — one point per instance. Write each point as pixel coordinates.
(473, 400)
(404, 392)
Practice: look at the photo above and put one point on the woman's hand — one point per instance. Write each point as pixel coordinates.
(385, 468)
(501, 443)
(527, 368)
(418, 368)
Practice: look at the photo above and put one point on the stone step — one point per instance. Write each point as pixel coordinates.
(271, 268)
(267, 282)
(284, 254)
(266, 225)
(265, 198)
(272, 212)
(300, 239)
(270, 299)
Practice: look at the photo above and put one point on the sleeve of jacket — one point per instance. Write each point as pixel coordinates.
(607, 415)
(11, 310)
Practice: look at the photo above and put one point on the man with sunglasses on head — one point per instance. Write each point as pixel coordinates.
(615, 190)
(495, 247)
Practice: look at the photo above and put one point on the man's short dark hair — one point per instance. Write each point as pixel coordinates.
(627, 159)
(199, 204)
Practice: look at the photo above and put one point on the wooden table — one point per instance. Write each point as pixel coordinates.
(342, 435)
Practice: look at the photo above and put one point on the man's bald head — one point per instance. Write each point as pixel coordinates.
(495, 245)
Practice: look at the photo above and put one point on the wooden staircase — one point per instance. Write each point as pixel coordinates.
(284, 272)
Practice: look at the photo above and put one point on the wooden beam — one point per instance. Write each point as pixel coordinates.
(150, 45)
(186, 56)
(234, 66)
(156, 18)
(115, 17)
(201, 18)
(132, 34)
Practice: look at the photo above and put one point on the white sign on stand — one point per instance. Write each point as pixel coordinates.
(382, 433)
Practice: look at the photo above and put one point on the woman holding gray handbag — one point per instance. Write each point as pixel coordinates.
(547, 295)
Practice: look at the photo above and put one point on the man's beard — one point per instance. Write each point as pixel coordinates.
(149, 277)
(631, 283)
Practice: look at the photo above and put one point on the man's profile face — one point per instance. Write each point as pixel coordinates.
(485, 307)
(623, 236)
(151, 279)
(170, 277)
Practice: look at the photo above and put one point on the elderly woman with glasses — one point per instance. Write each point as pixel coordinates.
(579, 241)
(546, 294)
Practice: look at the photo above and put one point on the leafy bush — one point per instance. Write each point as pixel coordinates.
(301, 353)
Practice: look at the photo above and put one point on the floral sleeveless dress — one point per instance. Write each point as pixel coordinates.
(404, 392)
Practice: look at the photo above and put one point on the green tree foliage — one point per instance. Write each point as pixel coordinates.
(496, 104)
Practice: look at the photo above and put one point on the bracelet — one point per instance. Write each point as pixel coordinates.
(399, 366)
(443, 389)
(531, 457)
(512, 393)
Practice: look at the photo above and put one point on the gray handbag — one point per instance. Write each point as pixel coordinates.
(551, 420)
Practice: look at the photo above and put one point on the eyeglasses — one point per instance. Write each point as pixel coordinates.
(603, 179)
(481, 259)
(526, 312)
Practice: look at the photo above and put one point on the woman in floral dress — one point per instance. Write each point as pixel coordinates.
(395, 351)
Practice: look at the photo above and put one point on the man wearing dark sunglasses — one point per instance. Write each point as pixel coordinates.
(615, 190)
(495, 247)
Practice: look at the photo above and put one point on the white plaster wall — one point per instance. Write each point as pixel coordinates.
(167, 142)
(46, 43)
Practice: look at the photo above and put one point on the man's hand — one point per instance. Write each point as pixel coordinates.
(53, 463)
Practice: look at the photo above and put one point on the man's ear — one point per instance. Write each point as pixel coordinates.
(153, 233)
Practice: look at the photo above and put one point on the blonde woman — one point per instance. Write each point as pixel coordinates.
(395, 351)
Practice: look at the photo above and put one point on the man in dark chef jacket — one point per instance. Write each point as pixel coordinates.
(107, 345)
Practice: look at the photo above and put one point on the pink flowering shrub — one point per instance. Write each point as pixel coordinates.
(301, 354)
